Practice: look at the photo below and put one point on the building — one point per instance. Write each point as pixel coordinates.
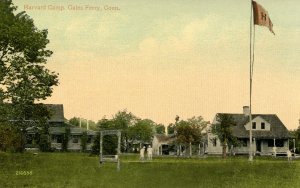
(58, 131)
(74, 136)
(162, 144)
(267, 130)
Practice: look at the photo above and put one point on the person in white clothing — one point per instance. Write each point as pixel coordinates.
(149, 152)
(289, 155)
(142, 152)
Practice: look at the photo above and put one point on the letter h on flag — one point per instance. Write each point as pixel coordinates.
(261, 16)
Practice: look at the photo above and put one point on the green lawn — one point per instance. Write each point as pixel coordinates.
(81, 170)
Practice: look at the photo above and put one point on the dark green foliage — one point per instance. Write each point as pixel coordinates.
(44, 143)
(24, 78)
(84, 141)
(110, 145)
(171, 128)
(223, 130)
(295, 134)
(189, 131)
(11, 138)
(96, 145)
(159, 129)
(122, 120)
(65, 141)
(141, 131)
(75, 121)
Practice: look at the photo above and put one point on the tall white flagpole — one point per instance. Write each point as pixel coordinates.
(250, 73)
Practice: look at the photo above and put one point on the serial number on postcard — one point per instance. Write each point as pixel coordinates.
(23, 173)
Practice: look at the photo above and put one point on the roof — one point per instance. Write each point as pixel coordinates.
(56, 112)
(76, 131)
(57, 130)
(277, 129)
(33, 129)
(164, 138)
(73, 131)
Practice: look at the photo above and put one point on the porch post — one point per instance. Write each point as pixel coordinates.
(294, 148)
(119, 143)
(254, 148)
(100, 147)
(274, 148)
(190, 149)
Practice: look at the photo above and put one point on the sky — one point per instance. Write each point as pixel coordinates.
(160, 59)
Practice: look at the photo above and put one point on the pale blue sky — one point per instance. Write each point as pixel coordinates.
(160, 59)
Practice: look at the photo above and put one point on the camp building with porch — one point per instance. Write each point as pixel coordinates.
(268, 132)
(58, 129)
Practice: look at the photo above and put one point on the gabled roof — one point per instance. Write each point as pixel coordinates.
(277, 131)
(56, 112)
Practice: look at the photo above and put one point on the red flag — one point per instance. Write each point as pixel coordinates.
(261, 16)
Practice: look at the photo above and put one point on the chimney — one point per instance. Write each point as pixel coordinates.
(246, 110)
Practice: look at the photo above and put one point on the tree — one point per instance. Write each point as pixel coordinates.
(141, 131)
(296, 136)
(122, 120)
(160, 129)
(188, 131)
(24, 79)
(171, 128)
(75, 121)
(223, 130)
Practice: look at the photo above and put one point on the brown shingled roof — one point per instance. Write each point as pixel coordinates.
(56, 112)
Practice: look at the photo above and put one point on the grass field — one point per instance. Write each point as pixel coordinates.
(81, 170)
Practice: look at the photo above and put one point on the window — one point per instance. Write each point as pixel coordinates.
(75, 139)
(262, 125)
(214, 142)
(253, 125)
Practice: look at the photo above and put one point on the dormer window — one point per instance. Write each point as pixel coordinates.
(253, 125)
(263, 126)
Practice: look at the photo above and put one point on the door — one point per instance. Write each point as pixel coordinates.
(258, 145)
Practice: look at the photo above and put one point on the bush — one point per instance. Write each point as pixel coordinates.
(44, 143)
(83, 141)
(65, 140)
(11, 138)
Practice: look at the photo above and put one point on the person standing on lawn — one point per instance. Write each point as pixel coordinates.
(142, 152)
(149, 153)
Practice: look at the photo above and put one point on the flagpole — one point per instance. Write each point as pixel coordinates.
(250, 74)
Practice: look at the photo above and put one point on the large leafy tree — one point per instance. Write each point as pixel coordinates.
(295, 134)
(142, 131)
(24, 79)
(122, 120)
(188, 131)
(160, 129)
(223, 129)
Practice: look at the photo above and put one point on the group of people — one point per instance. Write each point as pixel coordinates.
(149, 153)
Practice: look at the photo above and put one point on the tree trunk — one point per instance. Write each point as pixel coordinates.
(224, 150)
(190, 149)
